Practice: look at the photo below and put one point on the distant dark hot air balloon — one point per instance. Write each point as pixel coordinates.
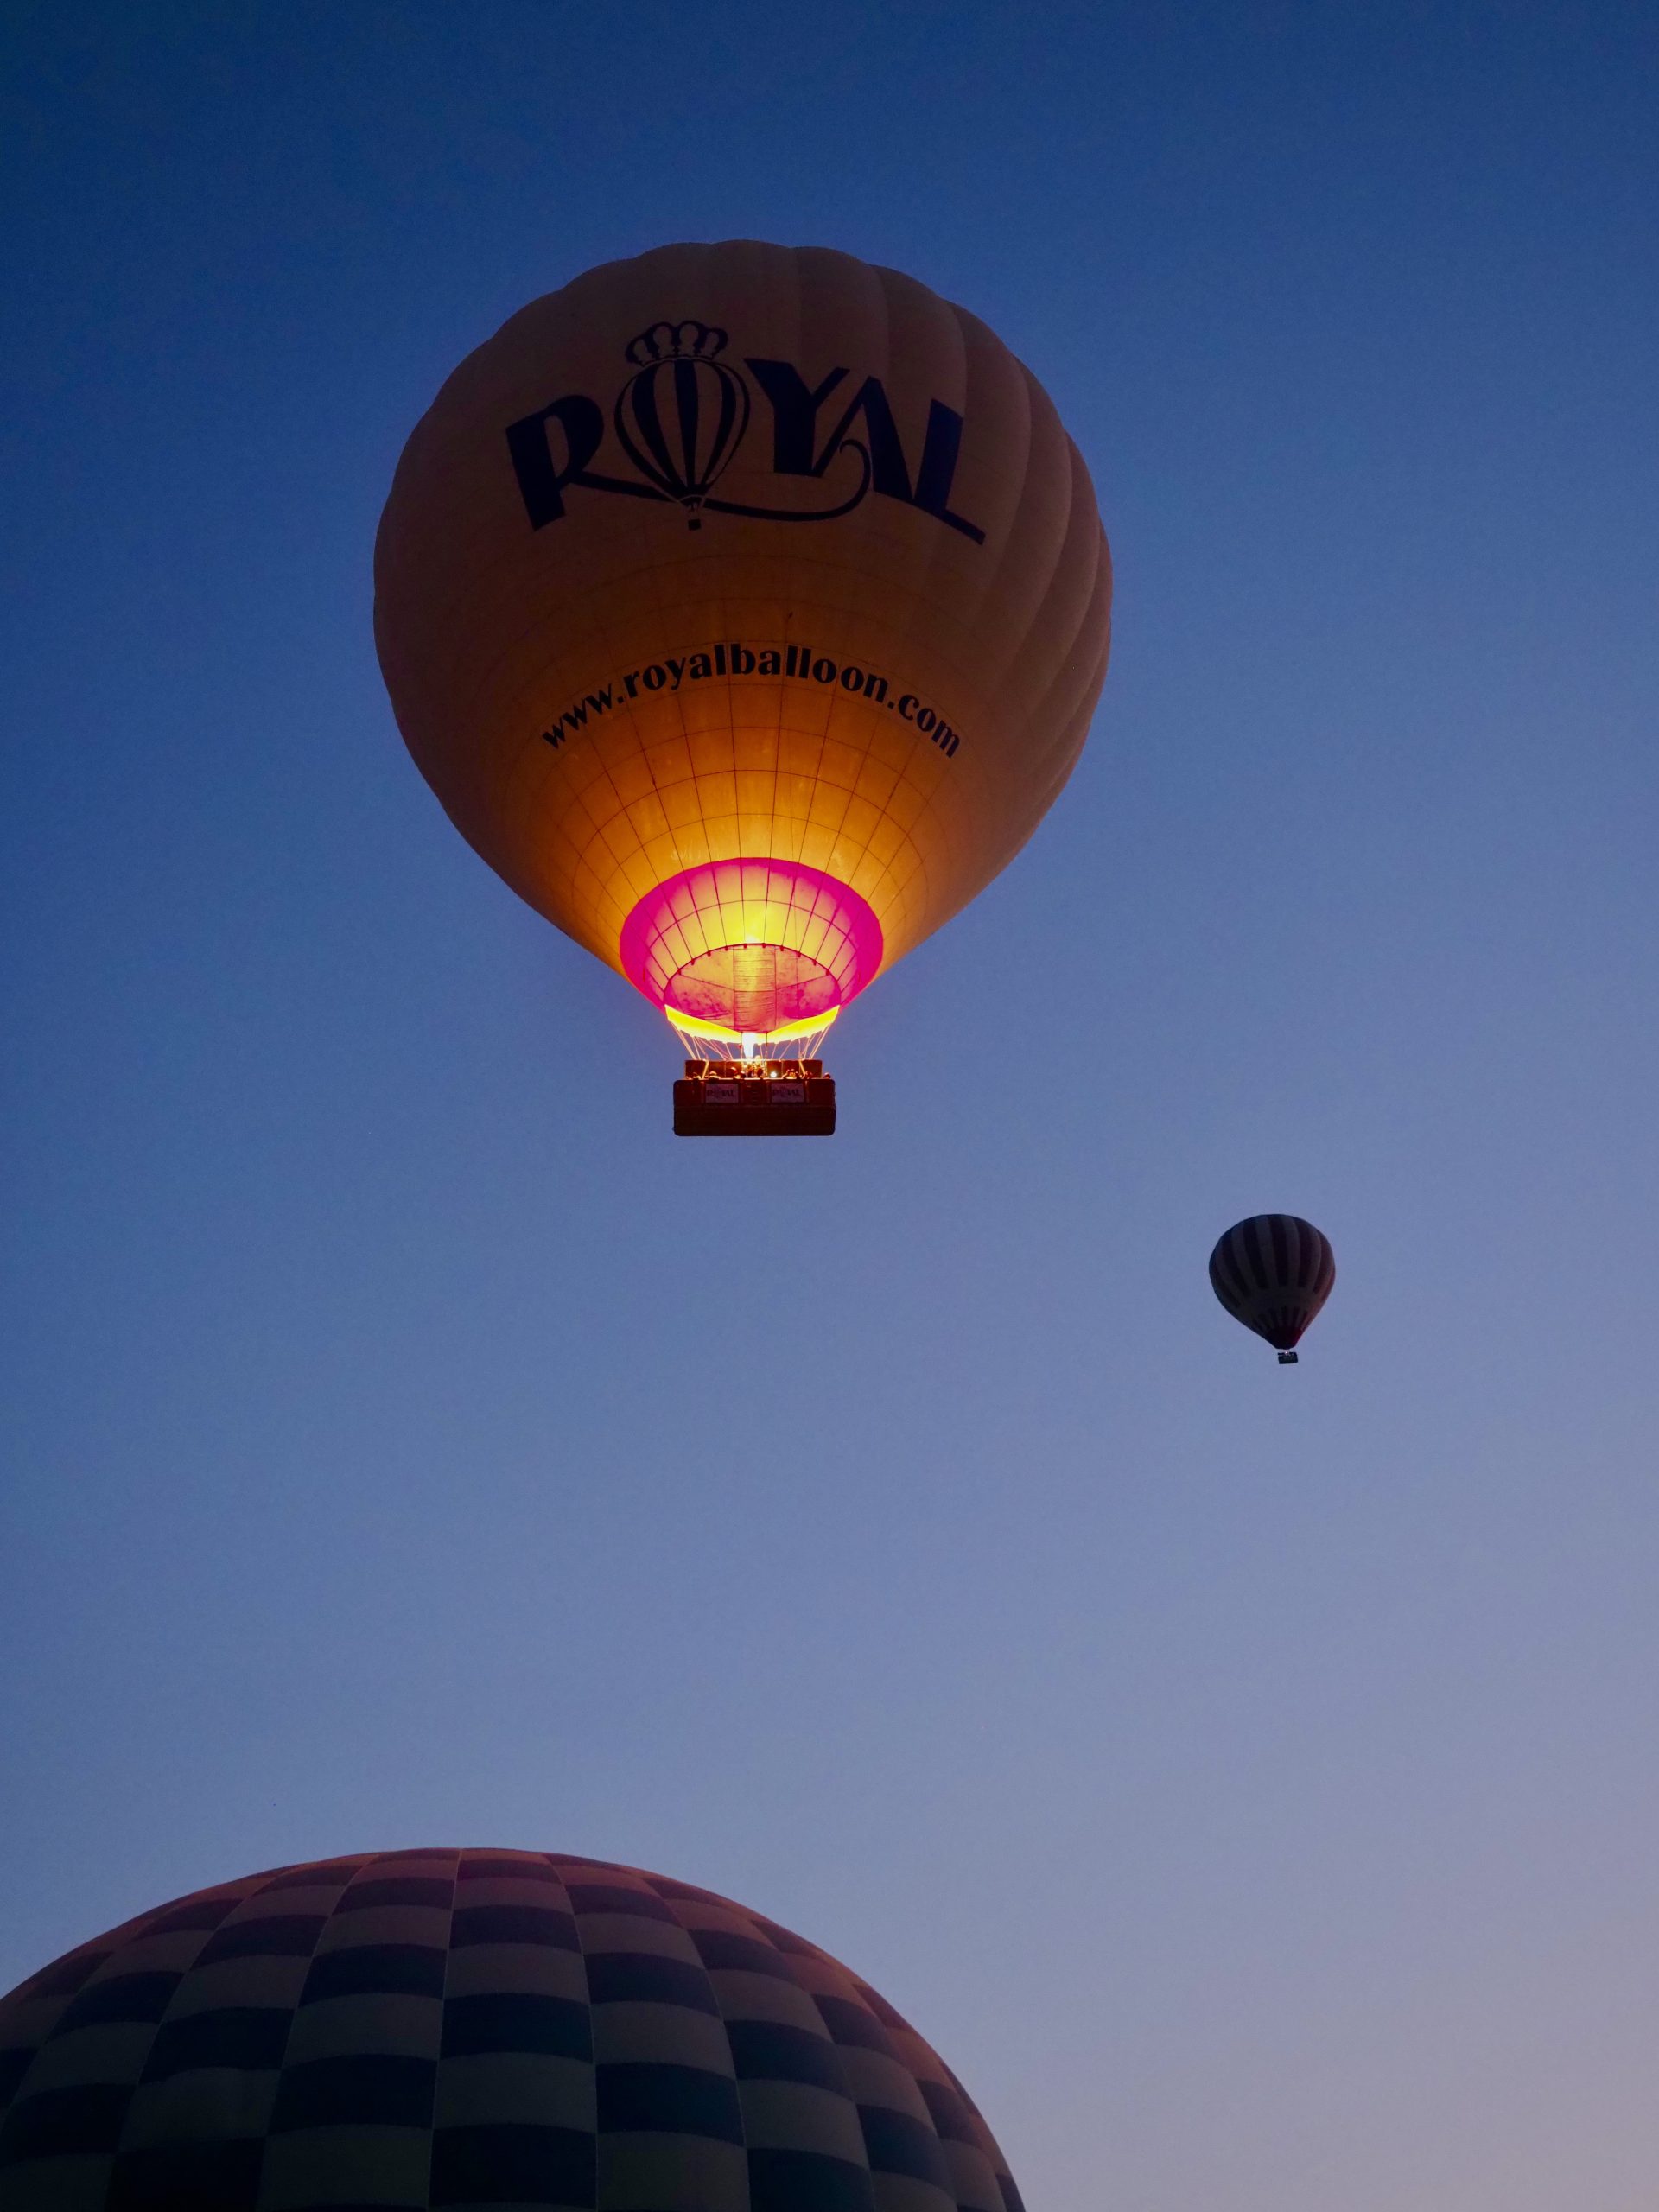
(1273, 1273)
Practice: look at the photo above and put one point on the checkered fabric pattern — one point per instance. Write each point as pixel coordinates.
(483, 2031)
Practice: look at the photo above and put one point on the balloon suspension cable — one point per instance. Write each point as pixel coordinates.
(749, 1045)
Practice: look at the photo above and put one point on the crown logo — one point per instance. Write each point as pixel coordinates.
(675, 342)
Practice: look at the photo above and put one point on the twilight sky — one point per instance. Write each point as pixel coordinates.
(1247, 1778)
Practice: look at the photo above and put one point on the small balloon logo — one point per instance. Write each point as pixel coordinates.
(681, 416)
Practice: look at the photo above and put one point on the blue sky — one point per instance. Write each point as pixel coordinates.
(1246, 1778)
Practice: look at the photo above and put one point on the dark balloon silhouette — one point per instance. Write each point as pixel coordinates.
(492, 2029)
(1273, 1273)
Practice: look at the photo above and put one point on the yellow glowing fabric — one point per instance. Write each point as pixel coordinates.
(786, 1032)
(744, 554)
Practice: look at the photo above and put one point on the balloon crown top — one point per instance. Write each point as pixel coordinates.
(675, 342)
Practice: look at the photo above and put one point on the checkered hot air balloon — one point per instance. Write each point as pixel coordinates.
(1273, 1273)
(492, 2030)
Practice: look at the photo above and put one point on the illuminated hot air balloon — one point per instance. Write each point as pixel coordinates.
(1273, 1273)
(746, 607)
(492, 2030)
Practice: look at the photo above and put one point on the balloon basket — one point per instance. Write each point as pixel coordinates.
(754, 1098)
(1287, 1359)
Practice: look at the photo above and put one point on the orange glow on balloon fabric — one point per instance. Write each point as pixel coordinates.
(736, 566)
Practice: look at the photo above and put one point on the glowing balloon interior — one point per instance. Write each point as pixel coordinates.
(751, 945)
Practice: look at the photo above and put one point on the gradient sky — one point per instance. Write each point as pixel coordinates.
(1247, 1778)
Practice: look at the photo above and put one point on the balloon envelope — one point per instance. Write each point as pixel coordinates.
(746, 606)
(493, 2030)
(1274, 1272)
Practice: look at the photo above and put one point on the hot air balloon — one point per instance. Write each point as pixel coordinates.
(1273, 1273)
(746, 607)
(495, 2030)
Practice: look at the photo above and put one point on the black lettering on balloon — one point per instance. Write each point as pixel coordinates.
(887, 471)
(680, 417)
(542, 481)
(734, 657)
(794, 414)
(796, 450)
(938, 469)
